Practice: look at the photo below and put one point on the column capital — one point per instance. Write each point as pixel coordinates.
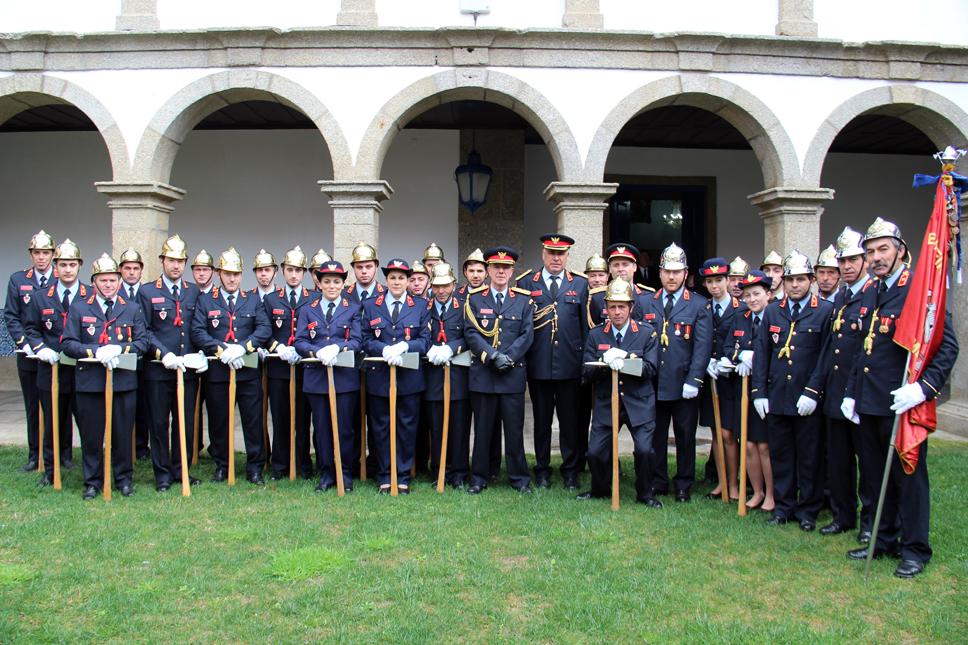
(144, 194)
(579, 194)
(362, 193)
(795, 18)
(790, 196)
(791, 217)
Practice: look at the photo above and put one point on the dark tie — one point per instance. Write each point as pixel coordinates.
(618, 338)
(668, 305)
(500, 301)
(292, 300)
(396, 311)
(329, 312)
(756, 322)
(881, 290)
(440, 310)
(554, 287)
(363, 295)
(130, 292)
(66, 300)
(796, 309)
(174, 291)
(718, 312)
(231, 302)
(108, 306)
(43, 281)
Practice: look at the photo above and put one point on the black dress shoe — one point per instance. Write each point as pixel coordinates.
(275, 477)
(909, 568)
(194, 481)
(68, 464)
(526, 489)
(45, 480)
(384, 489)
(255, 478)
(833, 528)
(651, 502)
(403, 489)
(220, 475)
(90, 493)
(127, 490)
(571, 483)
(322, 488)
(776, 520)
(807, 525)
(587, 495)
(682, 496)
(457, 484)
(475, 489)
(542, 482)
(864, 536)
(30, 465)
(162, 487)
(861, 553)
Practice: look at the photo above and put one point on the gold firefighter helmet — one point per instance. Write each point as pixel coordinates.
(772, 259)
(363, 252)
(477, 255)
(619, 290)
(596, 263)
(828, 258)
(738, 267)
(263, 259)
(104, 264)
(67, 250)
(673, 258)
(433, 252)
(295, 257)
(319, 259)
(796, 264)
(174, 248)
(130, 255)
(443, 273)
(41, 241)
(882, 228)
(418, 267)
(850, 243)
(203, 259)
(230, 260)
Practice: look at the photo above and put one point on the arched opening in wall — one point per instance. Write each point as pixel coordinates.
(870, 165)
(420, 165)
(684, 174)
(249, 169)
(51, 154)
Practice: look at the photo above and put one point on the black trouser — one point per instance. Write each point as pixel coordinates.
(842, 450)
(279, 406)
(371, 465)
(202, 405)
(586, 396)
(547, 396)
(67, 406)
(907, 502)
(458, 439)
(161, 398)
(323, 430)
(31, 394)
(248, 397)
(492, 411)
(600, 456)
(496, 448)
(423, 448)
(408, 411)
(142, 419)
(684, 414)
(90, 416)
(796, 460)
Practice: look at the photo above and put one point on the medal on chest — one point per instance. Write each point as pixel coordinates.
(279, 323)
(91, 330)
(49, 324)
(26, 298)
(214, 323)
(678, 329)
(163, 314)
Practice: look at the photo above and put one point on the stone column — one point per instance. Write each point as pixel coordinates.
(791, 218)
(582, 14)
(580, 209)
(140, 216)
(356, 213)
(795, 18)
(138, 15)
(357, 13)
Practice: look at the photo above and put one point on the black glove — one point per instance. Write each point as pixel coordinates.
(502, 362)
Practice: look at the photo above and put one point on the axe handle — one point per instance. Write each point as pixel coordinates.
(292, 422)
(231, 427)
(55, 422)
(443, 438)
(744, 415)
(108, 422)
(719, 453)
(615, 494)
(394, 489)
(182, 442)
(333, 422)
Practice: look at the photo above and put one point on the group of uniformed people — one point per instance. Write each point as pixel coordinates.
(823, 373)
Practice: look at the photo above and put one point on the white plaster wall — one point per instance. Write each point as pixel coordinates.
(281, 14)
(513, 14)
(755, 17)
(539, 214)
(863, 20)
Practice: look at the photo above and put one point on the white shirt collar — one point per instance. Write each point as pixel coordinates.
(125, 287)
(891, 279)
(724, 303)
(858, 284)
(616, 331)
(546, 276)
(47, 274)
(168, 283)
(72, 289)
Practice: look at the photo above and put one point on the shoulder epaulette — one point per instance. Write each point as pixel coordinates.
(524, 274)
(50, 292)
(905, 274)
(158, 283)
(748, 313)
(82, 290)
(645, 287)
(571, 275)
(597, 290)
(316, 302)
(735, 302)
(478, 289)
(349, 289)
(29, 273)
(814, 300)
(634, 326)
(90, 300)
(523, 292)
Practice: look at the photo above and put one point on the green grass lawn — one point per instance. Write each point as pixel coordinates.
(283, 564)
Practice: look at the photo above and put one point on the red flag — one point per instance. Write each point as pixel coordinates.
(920, 325)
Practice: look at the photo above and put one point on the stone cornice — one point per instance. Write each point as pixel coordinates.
(550, 48)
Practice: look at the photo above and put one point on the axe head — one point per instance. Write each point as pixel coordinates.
(411, 360)
(67, 360)
(633, 367)
(250, 360)
(128, 362)
(462, 360)
(346, 359)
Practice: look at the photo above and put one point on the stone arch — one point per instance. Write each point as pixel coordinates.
(770, 142)
(183, 111)
(468, 84)
(20, 92)
(940, 119)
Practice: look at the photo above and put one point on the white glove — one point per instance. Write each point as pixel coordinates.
(48, 355)
(712, 369)
(401, 348)
(433, 353)
(388, 351)
(907, 397)
(107, 352)
(28, 350)
(111, 363)
(762, 407)
(395, 359)
(616, 364)
(263, 352)
(805, 406)
(172, 362)
(237, 363)
(200, 364)
(725, 366)
(847, 408)
(288, 354)
(745, 367)
(327, 355)
(612, 354)
(689, 391)
(444, 354)
(231, 353)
